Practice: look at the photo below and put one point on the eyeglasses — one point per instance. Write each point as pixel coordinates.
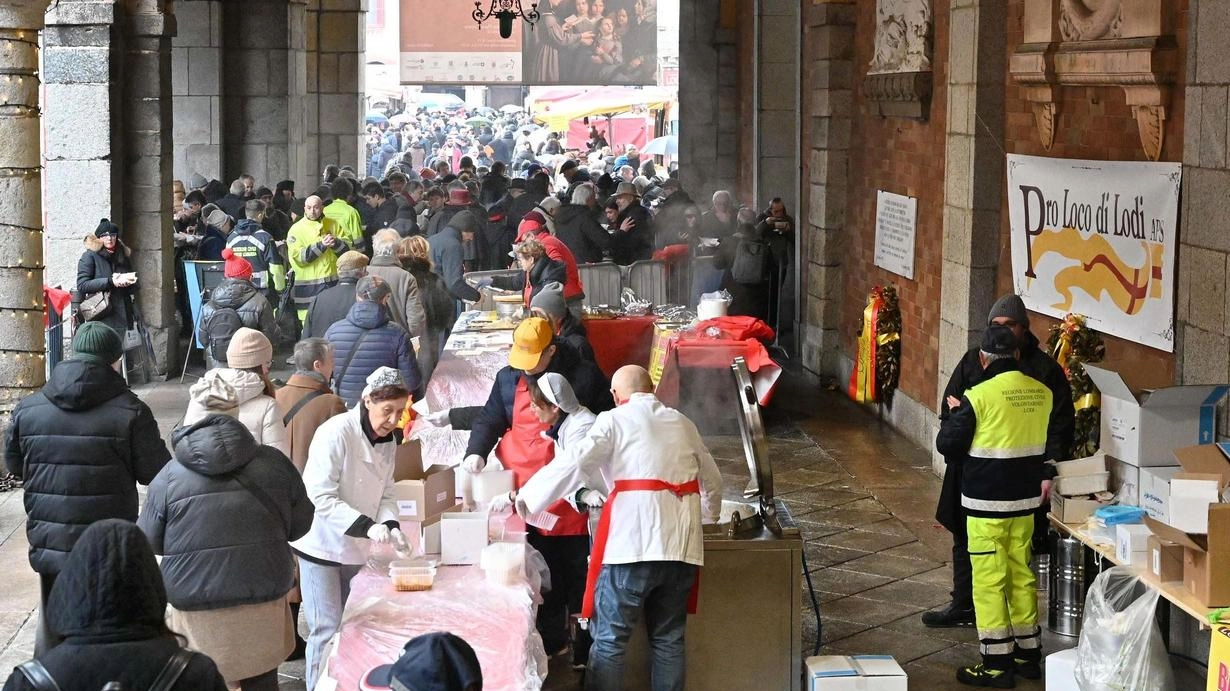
(689, 217)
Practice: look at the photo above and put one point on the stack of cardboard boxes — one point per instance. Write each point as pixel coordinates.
(1160, 451)
(423, 494)
(1080, 488)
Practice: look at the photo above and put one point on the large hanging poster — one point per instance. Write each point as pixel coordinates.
(1097, 238)
(573, 42)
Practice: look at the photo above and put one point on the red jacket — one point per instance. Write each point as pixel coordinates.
(558, 251)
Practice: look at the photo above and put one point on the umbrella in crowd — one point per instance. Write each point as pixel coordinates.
(512, 108)
(663, 146)
(375, 117)
(401, 119)
(478, 121)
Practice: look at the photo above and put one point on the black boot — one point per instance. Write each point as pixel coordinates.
(1027, 663)
(300, 650)
(952, 615)
(986, 677)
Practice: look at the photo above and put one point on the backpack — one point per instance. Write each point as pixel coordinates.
(38, 676)
(751, 261)
(222, 325)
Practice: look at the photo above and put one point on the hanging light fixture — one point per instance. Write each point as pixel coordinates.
(505, 12)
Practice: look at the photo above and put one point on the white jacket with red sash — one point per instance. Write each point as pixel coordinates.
(640, 440)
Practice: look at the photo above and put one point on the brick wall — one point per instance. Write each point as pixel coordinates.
(905, 157)
(1096, 124)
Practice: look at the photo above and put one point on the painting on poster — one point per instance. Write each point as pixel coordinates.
(1097, 238)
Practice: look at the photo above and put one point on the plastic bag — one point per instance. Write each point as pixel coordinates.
(1120, 647)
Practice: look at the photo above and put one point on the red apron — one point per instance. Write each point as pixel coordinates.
(598, 551)
(524, 450)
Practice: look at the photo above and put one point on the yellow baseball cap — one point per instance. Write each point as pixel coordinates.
(531, 338)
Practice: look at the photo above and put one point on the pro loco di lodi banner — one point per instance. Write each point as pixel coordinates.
(1097, 238)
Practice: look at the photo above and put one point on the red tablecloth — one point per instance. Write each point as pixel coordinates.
(709, 353)
(621, 341)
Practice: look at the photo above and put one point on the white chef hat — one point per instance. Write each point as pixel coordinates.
(559, 392)
(382, 377)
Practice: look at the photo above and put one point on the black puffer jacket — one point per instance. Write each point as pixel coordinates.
(577, 226)
(94, 271)
(221, 545)
(243, 297)
(81, 445)
(109, 605)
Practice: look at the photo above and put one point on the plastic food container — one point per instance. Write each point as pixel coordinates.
(504, 563)
(409, 575)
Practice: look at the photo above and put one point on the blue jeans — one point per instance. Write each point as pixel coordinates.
(325, 591)
(658, 590)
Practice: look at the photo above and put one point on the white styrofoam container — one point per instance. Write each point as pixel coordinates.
(1079, 485)
(1061, 671)
(855, 673)
(1082, 466)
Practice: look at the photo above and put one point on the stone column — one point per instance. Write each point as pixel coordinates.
(196, 68)
(828, 96)
(973, 177)
(22, 359)
(1203, 309)
(82, 120)
(777, 104)
(335, 42)
(257, 91)
(708, 107)
(145, 167)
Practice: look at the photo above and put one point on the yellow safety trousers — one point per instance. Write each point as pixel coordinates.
(1005, 589)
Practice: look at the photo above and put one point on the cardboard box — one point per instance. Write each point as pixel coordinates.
(1204, 556)
(855, 673)
(1205, 472)
(1131, 544)
(1061, 671)
(418, 500)
(1082, 466)
(409, 462)
(491, 483)
(463, 535)
(1072, 509)
(1165, 559)
(1143, 419)
(1155, 491)
(429, 530)
(1219, 659)
(1124, 481)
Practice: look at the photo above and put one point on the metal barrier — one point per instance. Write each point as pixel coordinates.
(602, 282)
(647, 278)
(472, 277)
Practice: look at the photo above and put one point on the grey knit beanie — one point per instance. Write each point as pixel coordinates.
(1012, 307)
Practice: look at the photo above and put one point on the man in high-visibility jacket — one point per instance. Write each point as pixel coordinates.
(349, 222)
(1000, 430)
(313, 248)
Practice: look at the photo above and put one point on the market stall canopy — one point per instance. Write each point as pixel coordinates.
(605, 101)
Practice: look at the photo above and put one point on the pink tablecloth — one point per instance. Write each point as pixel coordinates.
(497, 621)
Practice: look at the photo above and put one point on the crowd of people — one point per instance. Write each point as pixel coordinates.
(269, 497)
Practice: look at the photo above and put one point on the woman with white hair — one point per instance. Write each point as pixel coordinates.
(349, 478)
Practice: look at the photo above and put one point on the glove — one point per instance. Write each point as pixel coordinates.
(501, 503)
(473, 463)
(522, 510)
(591, 498)
(399, 541)
(437, 419)
(379, 533)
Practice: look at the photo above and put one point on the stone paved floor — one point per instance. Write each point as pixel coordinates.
(862, 495)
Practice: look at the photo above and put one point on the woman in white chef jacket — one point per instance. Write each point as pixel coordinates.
(349, 478)
(555, 403)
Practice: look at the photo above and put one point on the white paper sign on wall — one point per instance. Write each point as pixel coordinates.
(896, 226)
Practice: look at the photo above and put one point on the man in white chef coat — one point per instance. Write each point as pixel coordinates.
(648, 548)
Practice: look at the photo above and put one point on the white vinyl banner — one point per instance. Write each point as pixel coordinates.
(1097, 238)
